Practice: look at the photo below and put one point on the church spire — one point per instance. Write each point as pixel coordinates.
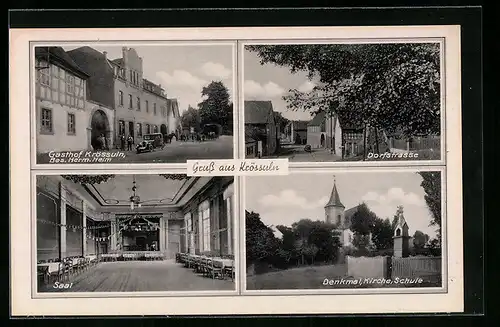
(334, 197)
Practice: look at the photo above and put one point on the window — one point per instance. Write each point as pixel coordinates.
(46, 120)
(131, 76)
(120, 98)
(155, 129)
(139, 129)
(204, 215)
(188, 218)
(138, 104)
(121, 128)
(154, 109)
(44, 73)
(130, 104)
(148, 129)
(71, 124)
(147, 106)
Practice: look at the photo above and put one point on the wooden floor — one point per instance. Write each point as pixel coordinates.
(141, 276)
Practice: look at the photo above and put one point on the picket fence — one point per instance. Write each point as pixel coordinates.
(416, 266)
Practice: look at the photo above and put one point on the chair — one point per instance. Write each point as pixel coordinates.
(215, 269)
(229, 271)
(43, 275)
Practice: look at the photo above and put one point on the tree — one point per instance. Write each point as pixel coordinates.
(431, 183)
(280, 120)
(191, 118)
(363, 220)
(216, 108)
(420, 239)
(261, 244)
(394, 87)
(382, 234)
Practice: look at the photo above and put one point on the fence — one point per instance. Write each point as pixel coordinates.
(416, 266)
(417, 143)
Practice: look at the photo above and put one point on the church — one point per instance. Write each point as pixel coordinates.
(336, 214)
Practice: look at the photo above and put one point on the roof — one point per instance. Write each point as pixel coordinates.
(259, 112)
(118, 61)
(100, 85)
(334, 198)
(318, 119)
(300, 124)
(174, 106)
(58, 55)
(349, 124)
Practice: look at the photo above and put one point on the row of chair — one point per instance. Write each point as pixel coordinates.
(212, 267)
(62, 270)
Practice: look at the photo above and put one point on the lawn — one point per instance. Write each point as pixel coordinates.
(312, 278)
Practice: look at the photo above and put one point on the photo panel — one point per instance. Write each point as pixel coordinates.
(118, 102)
(344, 101)
(133, 235)
(377, 231)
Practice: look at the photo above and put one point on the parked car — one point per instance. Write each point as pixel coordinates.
(150, 142)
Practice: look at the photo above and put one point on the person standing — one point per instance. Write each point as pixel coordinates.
(122, 141)
(130, 141)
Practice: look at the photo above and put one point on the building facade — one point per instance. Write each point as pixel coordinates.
(296, 132)
(335, 134)
(260, 125)
(67, 119)
(141, 105)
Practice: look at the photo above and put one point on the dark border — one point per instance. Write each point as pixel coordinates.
(470, 20)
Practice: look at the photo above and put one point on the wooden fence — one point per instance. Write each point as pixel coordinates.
(417, 143)
(416, 267)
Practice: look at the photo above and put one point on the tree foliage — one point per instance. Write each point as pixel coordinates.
(420, 240)
(382, 233)
(216, 107)
(305, 242)
(395, 87)
(431, 183)
(191, 118)
(363, 220)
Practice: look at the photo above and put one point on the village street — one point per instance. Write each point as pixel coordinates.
(296, 153)
(175, 152)
(179, 152)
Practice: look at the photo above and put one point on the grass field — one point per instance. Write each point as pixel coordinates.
(312, 278)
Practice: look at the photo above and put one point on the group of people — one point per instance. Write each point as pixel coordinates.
(101, 143)
(129, 141)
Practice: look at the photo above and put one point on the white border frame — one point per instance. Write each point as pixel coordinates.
(358, 291)
(376, 163)
(23, 304)
(120, 43)
(49, 295)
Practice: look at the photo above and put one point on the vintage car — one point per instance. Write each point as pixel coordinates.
(150, 142)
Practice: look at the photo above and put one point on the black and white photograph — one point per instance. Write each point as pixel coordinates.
(96, 104)
(134, 233)
(343, 102)
(349, 230)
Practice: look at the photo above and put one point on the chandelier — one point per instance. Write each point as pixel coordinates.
(135, 200)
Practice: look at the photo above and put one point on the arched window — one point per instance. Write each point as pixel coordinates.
(398, 232)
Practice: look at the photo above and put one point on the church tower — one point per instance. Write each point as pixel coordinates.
(334, 209)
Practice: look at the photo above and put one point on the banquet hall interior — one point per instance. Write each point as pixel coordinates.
(134, 233)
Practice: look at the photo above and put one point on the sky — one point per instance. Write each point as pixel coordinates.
(182, 70)
(283, 200)
(271, 82)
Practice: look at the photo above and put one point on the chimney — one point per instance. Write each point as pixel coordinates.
(105, 53)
